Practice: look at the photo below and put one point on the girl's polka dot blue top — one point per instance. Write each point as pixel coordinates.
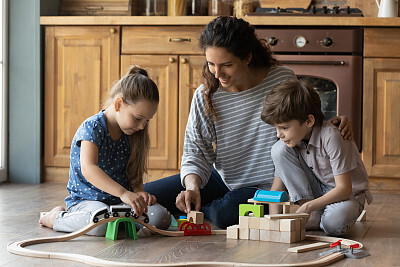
(112, 159)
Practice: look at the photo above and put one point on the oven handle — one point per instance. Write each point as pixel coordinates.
(307, 62)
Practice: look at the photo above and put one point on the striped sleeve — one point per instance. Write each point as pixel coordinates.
(242, 140)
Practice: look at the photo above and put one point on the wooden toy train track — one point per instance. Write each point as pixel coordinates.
(19, 248)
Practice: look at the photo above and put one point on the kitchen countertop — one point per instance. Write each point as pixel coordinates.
(203, 20)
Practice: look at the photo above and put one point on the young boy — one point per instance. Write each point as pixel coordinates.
(331, 184)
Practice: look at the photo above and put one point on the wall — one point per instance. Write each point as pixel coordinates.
(25, 94)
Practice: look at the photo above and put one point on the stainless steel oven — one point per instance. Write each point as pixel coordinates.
(330, 59)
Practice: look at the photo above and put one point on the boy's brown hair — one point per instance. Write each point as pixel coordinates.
(292, 100)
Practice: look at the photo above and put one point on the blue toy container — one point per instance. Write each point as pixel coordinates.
(271, 196)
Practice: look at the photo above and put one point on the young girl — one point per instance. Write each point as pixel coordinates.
(108, 158)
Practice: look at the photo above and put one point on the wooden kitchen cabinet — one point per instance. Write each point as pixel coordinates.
(381, 109)
(174, 61)
(81, 63)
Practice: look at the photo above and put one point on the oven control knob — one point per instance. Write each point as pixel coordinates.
(326, 42)
(272, 41)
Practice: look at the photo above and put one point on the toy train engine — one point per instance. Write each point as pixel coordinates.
(99, 214)
(120, 211)
(144, 217)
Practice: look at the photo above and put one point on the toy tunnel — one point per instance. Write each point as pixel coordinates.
(246, 209)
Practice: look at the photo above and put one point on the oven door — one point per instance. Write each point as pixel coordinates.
(337, 79)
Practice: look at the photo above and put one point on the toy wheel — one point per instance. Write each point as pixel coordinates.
(115, 214)
(127, 214)
(146, 220)
(135, 216)
(106, 215)
(95, 220)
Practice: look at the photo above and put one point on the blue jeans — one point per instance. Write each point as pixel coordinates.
(218, 203)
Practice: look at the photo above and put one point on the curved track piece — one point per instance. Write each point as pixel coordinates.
(18, 247)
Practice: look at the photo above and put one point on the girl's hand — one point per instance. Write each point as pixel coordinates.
(344, 126)
(148, 198)
(135, 200)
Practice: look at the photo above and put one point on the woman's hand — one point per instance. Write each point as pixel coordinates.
(185, 198)
(135, 200)
(344, 126)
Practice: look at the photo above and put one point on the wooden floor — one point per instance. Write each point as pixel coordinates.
(19, 213)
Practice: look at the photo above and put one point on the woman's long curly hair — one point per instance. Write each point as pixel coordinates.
(237, 37)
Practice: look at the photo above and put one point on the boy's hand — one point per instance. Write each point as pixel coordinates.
(305, 208)
(344, 126)
(135, 200)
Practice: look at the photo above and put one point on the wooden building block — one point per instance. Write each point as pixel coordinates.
(303, 223)
(275, 236)
(309, 247)
(246, 209)
(264, 223)
(232, 232)
(254, 234)
(287, 216)
(302, 234)
(289, 225)
(244, 221)
(274, 225)
(288, 237)
(244, 233)
(254, 222)
(265, 235)
(196, 217)
(285, 209)
(362, 217)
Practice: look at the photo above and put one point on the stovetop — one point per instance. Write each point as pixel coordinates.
(313, 11)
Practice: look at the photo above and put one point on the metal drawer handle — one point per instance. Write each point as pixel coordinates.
(179, 39)
(294, 62)
(94, 7)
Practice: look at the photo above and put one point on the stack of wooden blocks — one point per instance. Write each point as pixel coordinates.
(283, 228)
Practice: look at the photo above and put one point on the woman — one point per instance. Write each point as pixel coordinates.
(226, 155)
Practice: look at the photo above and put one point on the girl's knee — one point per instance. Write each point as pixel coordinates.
(159, 216)
(98, 231)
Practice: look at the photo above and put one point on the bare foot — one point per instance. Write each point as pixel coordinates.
(49, 218)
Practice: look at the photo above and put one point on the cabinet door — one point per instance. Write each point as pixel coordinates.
(190, 77)
(80, 65)
(381, 117)
(163, 128)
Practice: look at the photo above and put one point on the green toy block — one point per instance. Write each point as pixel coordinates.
(112, 228)
(257, 210)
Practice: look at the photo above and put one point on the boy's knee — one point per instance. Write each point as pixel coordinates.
(279, 150)
(159, 216)
(335, 226)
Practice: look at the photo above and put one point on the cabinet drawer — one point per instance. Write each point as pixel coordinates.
(160, 40)
(381, 42)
